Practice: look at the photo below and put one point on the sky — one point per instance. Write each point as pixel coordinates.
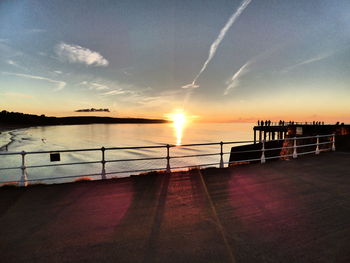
(238, 60)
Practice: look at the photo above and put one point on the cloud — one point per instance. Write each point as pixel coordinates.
(115, 92)
(78, 54)
(92, 110)
(190, 86)
(214, 46)
(15, 64)
(59, 84)
(235, 79)
(309, 61)
(94, 85)
(18, 95)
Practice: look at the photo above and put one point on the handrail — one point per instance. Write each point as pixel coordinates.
(24, 176)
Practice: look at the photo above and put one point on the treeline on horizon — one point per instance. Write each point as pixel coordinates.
(17, 118)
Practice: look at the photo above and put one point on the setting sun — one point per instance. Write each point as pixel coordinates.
(179, 119)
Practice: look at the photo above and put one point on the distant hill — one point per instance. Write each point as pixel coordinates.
(16, 118)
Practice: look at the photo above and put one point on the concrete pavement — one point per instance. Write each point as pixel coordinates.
(282, 211)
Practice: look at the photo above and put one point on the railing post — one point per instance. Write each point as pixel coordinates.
(317, 145)
(295, 153)
(168, 170)
(24, 177)
(262, 159)
(103, 173)
(221, 155)
(333, 142)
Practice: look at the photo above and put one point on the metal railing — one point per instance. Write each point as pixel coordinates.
(24, 180)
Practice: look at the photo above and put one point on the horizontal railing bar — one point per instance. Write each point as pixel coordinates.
(66, 151)
(303, 153)
(325, 142)
(137, 147)
(305, 145)
(141, 159)
(308, 137)
(10, 153)
(236, 142)
(61, 164)
(199, 144)
(273, 157)
(10, 168)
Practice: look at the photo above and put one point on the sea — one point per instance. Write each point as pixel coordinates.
(94, 136)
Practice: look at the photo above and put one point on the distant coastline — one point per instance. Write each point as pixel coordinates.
(16, 120)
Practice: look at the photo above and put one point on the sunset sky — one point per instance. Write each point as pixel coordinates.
(278, 59)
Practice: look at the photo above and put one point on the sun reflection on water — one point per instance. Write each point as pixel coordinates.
(179, 122)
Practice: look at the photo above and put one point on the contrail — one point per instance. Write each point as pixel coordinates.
(214, 46)
(234, 81)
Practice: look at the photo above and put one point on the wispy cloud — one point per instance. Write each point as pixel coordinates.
(114, 92)
(94, 85)
(15, 64)
(214, 46)
(59, 84)
(78, 54)
(309, 61)
(190, 86)
(235, 79)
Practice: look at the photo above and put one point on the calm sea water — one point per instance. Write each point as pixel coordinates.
(53, 138)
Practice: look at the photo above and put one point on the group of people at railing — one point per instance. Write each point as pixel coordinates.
(286, 123)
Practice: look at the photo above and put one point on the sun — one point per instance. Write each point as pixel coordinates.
(179, 120)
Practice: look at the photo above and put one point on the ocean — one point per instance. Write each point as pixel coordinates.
(70, 137)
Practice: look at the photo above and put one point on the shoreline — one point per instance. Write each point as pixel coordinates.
(9, 127)
(6, 128)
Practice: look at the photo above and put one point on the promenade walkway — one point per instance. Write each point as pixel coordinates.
(282, 211)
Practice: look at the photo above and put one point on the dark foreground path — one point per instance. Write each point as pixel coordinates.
(284, 211)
